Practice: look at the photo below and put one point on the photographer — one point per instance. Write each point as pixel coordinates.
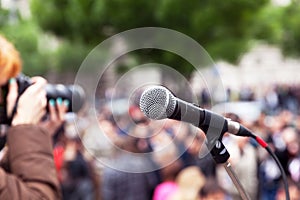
(27, 168)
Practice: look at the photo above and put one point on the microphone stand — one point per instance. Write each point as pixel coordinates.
(221, 156)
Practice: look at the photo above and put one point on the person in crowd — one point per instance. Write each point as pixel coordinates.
(205, 98)
(212, 191)
(76, 169)
(168, 185)
(196, 154)
(27, 167)
(125, 177)
(244, 161)
(190, 181)
(269, 173)
(294, 191)
(271, 101)
(166, 157)
(78, 177)
(246, 94)
(292, 142)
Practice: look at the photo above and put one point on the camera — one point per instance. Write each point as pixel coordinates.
(73, 93)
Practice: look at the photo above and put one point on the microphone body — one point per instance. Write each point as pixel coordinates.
(159, 103)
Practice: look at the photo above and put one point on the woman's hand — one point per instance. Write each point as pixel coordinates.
(57, 111)
(31, 104)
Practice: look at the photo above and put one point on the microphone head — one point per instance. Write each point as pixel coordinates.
(157, 102)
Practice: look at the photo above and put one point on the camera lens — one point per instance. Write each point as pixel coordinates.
(73, 93)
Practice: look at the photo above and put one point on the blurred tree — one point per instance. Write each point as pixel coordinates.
(4, 16)
(24, 35)
(91, 21)
(69, 56)
(279, 25)
(290, 38)
(268, 26)
(224, 28)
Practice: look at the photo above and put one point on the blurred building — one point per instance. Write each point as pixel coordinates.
(258, 69)
(16, 6)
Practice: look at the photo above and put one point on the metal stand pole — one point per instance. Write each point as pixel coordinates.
(221, 156)
(236, 181)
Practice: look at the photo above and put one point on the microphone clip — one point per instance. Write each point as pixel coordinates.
(219, 152)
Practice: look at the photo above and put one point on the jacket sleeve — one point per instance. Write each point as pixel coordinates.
(30, 161)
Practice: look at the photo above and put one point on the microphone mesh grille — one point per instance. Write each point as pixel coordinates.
(157, 103)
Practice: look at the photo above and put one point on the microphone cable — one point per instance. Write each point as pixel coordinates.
(266, 146)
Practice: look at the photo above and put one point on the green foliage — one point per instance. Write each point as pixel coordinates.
(224, 28)
(4, 17)
(37, 57)
(290, 41)
(91, 21)
(280, 26)
(74, 19)
(70, 56)
(26, 42)
(268, 26)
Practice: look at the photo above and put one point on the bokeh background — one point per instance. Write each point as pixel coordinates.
(255, 46)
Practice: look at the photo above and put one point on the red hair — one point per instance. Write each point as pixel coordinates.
(10, 61)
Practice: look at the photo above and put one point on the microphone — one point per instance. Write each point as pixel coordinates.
(157, 102)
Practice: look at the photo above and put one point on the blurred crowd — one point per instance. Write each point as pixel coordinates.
(124, 155)
(130, 157)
